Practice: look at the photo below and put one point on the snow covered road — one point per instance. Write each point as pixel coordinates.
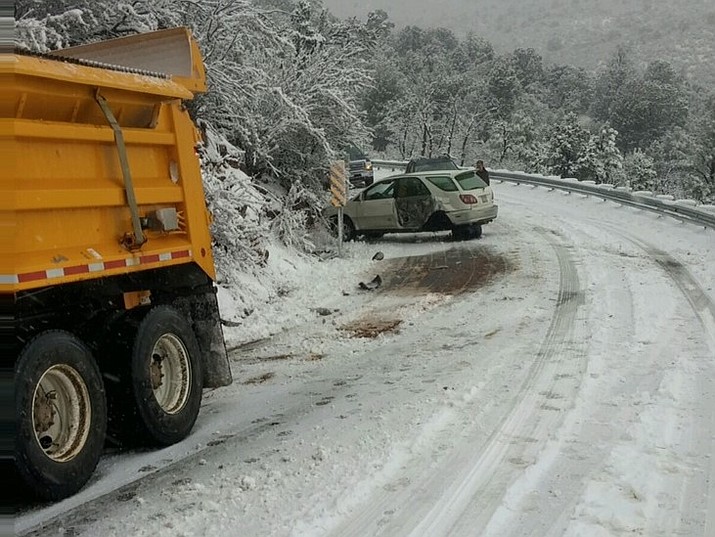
(555, 378)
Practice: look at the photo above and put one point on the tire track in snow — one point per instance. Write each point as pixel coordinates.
(475, 476)
(559, 362)
(693, 504)
(685, 505)
(542, 503)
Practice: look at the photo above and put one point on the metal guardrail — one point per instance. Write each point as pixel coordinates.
(687, 210)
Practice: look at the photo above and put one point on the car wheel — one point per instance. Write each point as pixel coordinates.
(348, 227)
(61, 415)
(373, 235)
(477, 231)
(461, 233)
(437, 222)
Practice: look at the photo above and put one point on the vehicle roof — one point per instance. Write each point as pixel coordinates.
(451, 173)
(434, 159)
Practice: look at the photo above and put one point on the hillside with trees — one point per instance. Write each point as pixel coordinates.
(574, 32)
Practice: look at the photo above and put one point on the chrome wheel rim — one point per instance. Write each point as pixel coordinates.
(170, 373)
(61, 413)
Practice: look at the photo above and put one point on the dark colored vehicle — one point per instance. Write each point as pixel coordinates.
(428, 164)
(359, 168)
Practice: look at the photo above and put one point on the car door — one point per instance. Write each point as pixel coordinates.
(414, 202)
(376, 208)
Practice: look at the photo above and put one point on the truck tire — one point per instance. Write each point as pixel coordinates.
(61, 415)
(166, 376)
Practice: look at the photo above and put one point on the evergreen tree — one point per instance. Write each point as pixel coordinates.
(528, 67)
(610, 84)
(565, 148)
(672, 155)
(648, 108)
(703, 186)
(504, 86)
(568, 89)
(601, 161)
(639, 171)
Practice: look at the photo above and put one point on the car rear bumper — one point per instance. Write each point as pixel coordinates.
(474, 215)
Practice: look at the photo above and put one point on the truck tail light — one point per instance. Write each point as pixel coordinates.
(468, 199)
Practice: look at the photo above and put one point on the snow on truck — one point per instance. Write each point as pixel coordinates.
(108, 314)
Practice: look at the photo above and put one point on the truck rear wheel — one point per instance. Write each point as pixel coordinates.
(166, 376)
(61, 415)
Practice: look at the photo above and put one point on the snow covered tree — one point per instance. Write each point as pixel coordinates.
(48, 25)
(703, 185)
(512, 142)
(240, 208)
(565, 147)
(504, 86)
(639, 171)
(569, 89)
(671, 154)
(601, 160)
(528, 67)
(610, 84)
(473, 51)
(378, 101)
(641, 108)
(475, 114)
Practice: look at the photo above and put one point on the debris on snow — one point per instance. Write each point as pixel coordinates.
(247, 483)
(374, 284)
(324, 311)
(371, 328)
(320, 454)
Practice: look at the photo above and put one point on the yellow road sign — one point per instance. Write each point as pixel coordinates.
(338, 184)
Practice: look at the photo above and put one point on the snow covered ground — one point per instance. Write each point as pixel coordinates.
(571, 393)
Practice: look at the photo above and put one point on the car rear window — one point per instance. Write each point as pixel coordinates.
(443, 183)
(470, 181)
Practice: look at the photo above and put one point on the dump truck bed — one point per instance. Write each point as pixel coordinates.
(64, 200)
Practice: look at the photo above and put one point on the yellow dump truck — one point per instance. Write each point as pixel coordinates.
(108, 311)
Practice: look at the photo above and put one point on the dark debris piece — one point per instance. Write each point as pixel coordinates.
(372, 285)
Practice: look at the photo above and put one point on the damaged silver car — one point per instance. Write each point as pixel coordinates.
(455, 200)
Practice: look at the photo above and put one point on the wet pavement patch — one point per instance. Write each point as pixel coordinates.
(450, 272)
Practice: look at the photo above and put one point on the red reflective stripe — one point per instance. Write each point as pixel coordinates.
(154, 258)
(79, 269)
(32, 276)
(108, 265)
(117, 263)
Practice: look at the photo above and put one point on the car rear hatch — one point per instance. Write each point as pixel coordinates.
(474, 190)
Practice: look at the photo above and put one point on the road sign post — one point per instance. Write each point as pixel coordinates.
(339, 190)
